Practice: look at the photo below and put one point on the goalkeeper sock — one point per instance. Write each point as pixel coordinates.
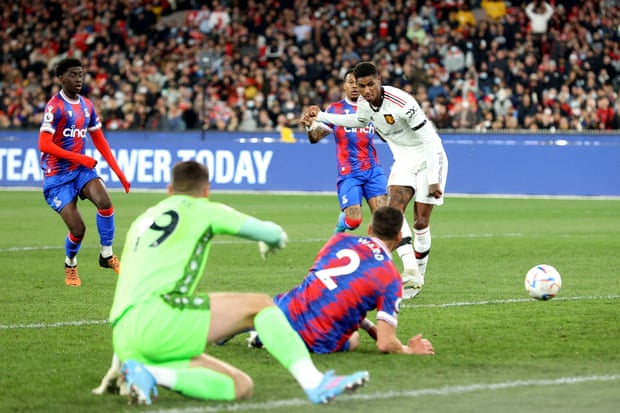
(282, 342)
(202, 383)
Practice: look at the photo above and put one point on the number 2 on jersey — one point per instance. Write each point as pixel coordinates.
(326, 275)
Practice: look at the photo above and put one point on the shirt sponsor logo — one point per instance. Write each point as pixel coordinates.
(368, 129)
(74, 132)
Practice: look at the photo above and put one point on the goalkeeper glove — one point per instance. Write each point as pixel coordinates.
(266, 250)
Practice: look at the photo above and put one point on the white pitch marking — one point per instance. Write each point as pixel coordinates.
(239, 241)
(441, 305)
(507, 301)
(438, 391)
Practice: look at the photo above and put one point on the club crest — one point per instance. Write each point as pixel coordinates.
(389, 119)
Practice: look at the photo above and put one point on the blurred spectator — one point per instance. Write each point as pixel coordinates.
(175, 121)
(494, 9)
(615, 122)
(286, 132)
(539, 12)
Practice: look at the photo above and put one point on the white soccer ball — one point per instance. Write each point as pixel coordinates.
(543, 282)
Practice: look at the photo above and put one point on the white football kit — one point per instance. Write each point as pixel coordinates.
(419, 156)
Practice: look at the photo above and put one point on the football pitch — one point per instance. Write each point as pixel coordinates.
(496, 349)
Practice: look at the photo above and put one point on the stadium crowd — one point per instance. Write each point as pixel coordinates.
(244, 65)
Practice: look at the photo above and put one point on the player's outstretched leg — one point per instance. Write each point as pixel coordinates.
(140, 382)
(332, 386)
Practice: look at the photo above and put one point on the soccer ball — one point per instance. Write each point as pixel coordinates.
(543, 282)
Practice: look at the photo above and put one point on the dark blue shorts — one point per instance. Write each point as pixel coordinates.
(60, 190)
(367, 184)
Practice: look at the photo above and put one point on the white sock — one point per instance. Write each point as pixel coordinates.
(306, 374)
(164, 376)
(71, 262)
(405, 251)
(106, 251)
(116, 363)
(422, 245)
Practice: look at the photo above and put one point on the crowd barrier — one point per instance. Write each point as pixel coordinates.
(489, 163)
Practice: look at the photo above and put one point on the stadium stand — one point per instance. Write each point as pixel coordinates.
(250, 65)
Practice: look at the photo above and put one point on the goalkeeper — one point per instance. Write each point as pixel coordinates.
(162, 326)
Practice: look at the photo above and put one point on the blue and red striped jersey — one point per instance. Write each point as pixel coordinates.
(355, 150)
(351, 275)
(68, 121)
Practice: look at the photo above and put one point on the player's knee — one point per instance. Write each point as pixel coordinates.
(244, 385)
(353, 222)
(258, 301)
(421, 223)
(77, 232)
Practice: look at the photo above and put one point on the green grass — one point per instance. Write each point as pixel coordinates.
(497, 350)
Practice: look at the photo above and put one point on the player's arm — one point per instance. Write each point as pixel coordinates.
(351, 120)
(47, 145)
(433, 156)
(314, 130)
(102, 146)
(370, 328)
(425, 132)
(270, 236)
(388, 342)
(317, 131)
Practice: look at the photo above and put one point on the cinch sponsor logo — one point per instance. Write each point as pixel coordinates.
(368, 129)
(74, 132)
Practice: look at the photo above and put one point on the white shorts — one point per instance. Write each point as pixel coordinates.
(409, 172)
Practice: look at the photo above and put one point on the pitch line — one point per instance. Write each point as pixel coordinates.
(507, 301)
(78, 323)
(443, 305)
(438, 391)
(242, 241)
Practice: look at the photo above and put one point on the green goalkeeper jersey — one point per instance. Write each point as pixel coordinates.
(166, 250)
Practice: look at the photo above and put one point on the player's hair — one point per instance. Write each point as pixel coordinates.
(363, 69)
(347, 73)
(65, 64)
(189, 177)
(387, 222)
